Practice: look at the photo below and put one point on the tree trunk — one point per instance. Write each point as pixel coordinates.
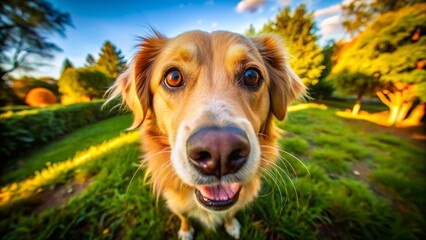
(399, 99)
(356, 108)
(406, 106)
(393, 115)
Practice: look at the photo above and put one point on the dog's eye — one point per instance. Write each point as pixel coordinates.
(251, 78)
(173, 79)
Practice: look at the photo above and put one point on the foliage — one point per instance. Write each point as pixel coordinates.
(90, 61)
(67, 64)
(110, 61)
(298, 30)
(354, 84)
(22, 86)
(251, 31)
(295, 202)
(84, 82)
(324, 90)
(392, 50)
(358, 14)
(24, 27)
(40, 97)
(29, 128)
(21, 167)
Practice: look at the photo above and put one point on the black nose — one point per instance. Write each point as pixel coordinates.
(218, 150)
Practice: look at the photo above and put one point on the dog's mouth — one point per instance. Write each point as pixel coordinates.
(218, 197)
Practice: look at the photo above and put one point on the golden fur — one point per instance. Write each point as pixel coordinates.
(211, 64)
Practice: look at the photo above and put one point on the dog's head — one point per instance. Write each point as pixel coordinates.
(213, 96)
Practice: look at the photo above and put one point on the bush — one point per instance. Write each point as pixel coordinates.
(21, 87)
(81, 83)
(40, 97)
(25, 129)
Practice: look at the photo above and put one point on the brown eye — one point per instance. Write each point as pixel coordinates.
(173, 79)
(251, 78)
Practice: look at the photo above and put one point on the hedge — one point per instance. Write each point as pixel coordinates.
(25, 129)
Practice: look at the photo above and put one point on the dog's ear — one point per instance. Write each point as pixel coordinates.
(285, 85)
(133, 84)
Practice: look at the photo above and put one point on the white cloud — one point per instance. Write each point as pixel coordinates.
(249, 5)
(331, 28)
(328, 11)
(199, 21)
(284, 2)
(214, 25)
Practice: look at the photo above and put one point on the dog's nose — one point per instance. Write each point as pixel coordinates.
(218, 150)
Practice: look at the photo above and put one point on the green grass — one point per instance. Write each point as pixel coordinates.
(343, 104)
(64, 148)
(319, 199)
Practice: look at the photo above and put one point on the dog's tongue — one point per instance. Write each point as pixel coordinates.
(219, 192)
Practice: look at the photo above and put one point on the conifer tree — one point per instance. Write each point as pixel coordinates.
(298, 30)
(111, 61)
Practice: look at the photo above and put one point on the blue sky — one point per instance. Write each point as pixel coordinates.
(122, 22)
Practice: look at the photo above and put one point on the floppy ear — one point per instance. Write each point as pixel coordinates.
(133, 84)
(285, 85)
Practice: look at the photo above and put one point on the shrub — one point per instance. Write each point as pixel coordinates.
(78, 83)
(25, 129)
(21, 87)
(40, 97)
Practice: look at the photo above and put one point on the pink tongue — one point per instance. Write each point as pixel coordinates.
(219, 192)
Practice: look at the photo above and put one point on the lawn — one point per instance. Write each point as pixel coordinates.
(338, 179)
(63, 148)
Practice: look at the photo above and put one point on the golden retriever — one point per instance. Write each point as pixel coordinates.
(205, 103)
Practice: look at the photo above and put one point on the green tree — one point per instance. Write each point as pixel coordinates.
(251, 31)
(354, 84)
(324, 89)
(66, 65)
(392, 50)
(298, 31)
(90, 60)
(84, 82)
(111, 61)
(24, 27)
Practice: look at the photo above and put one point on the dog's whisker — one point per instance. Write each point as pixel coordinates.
(267, 174)
(291, 155)
(276, 174)
(279, 169)
(166, 150)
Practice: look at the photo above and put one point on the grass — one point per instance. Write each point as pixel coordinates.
(64, 148)
(321, 199)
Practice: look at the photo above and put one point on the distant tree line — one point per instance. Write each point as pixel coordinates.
(92, 80)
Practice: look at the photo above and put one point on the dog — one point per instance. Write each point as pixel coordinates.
(205, 104)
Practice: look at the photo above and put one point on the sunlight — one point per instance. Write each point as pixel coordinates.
(24, 189)
(303, 106)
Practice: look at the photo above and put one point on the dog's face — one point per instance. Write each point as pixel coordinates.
(213, 97)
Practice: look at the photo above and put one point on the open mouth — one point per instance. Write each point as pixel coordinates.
(218, 197)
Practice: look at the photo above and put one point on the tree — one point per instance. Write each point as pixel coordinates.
(90, 61)
(391, 50)
(251, 31)
(357, 14)
(111, 61)
(324, 89)
(357, 84)
(84, 82)
(298, 31)
(24, 26)
(66, 65)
